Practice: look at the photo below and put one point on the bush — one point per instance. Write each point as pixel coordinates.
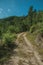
(7, 45)
(8, 39)
(11, 29)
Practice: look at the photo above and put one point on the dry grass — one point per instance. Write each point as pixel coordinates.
(32, 38)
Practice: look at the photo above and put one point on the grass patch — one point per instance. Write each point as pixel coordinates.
(31, 38)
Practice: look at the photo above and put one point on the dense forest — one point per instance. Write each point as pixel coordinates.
(11, 26)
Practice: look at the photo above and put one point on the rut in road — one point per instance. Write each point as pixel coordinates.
(34, 51)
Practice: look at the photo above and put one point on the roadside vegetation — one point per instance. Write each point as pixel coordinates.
(35, 35)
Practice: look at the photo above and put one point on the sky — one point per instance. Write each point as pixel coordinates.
(18, 7)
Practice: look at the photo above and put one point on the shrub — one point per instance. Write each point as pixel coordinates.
(8, 39)
(11, 29)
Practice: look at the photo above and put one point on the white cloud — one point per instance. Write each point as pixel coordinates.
(0, 12)
(9, 10)
(1, 9)
(4, 12)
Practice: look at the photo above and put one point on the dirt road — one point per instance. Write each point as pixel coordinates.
(25, 53)
(34, 51)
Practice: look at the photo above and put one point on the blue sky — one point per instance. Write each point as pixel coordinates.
(18, 7)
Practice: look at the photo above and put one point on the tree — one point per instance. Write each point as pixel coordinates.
(39, 17)
(31, 15)
(34, 16)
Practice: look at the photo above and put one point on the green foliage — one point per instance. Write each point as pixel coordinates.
(8, 38)
(37, 27)
(7, 45)
(11, 29)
